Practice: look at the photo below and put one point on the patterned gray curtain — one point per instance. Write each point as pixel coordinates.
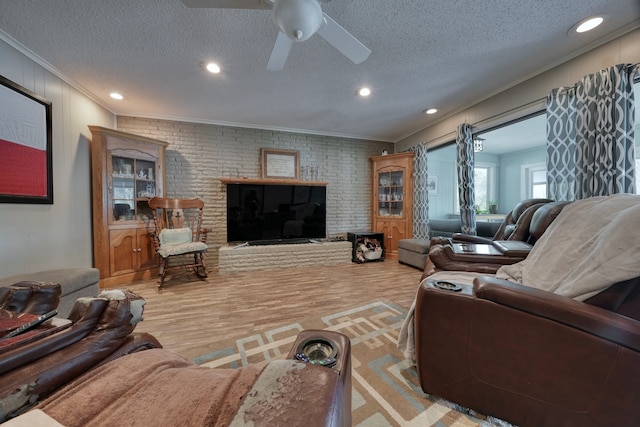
(420, 193)
(465, 158)
(561, 144)
(590, 136)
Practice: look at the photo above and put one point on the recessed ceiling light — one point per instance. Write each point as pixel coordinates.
(212, 67)
(364, 91)
(116, 95)
(588, 24)
(431, 111)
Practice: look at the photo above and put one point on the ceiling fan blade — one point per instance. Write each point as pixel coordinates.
(229, 4)
(340, 38)
(280, 52)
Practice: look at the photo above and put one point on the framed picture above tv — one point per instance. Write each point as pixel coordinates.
(280, 164)
(25, 146)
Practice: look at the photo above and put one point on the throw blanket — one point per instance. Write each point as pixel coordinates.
(151, 387)
(592, 244)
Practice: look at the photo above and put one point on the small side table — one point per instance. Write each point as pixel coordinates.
(359, 237)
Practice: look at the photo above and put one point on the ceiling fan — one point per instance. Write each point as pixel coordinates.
(297, 20)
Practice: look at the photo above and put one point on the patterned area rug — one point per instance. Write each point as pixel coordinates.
(385, 387)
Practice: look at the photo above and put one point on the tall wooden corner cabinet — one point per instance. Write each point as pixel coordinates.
(393, 199)
(126, 170)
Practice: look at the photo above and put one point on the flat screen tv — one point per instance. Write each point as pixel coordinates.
(275, 213)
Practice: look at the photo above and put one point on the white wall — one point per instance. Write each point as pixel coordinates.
(36, 237)
(529, 95)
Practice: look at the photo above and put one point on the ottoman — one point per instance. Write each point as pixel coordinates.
(413, 252)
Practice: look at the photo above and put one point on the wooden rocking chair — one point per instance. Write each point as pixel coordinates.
(179, 234)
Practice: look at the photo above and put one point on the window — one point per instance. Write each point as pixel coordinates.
(515, 154)
(441, 164)
(481, 180)
(484, 177)
(534, 181)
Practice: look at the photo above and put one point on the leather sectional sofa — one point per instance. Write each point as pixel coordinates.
(553, 340)
(531, 357)
(414, 252)
(513, 241)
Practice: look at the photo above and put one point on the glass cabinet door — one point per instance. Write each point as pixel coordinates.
(133, 184)
(390, 194)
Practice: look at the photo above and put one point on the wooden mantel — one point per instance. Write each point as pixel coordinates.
(271, 181)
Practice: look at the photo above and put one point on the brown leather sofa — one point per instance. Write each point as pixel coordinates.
(94, 372)
(564, 350)
(484, 255)
(531, 357)
(415, 252)
(514, 227)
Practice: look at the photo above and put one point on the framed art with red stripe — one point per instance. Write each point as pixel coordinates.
(26, 161)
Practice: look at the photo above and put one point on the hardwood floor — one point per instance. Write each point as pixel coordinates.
(188, 315)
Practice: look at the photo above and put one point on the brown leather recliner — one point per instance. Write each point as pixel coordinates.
(30, 297)
(514, 227)
(101, 330)
(94, 373)
(531, 357)
(557, 344)
(445, 256)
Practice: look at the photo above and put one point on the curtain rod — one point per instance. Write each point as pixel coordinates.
(501, 117)
(627, 68)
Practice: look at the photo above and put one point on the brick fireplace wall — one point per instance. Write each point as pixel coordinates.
(252, 258)
(199, 155)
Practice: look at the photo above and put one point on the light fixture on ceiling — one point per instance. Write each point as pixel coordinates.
(298, 19)
(431, 111)
(363, 91)
(478, 144)
(116, 96)
(587, 24)
(212, 67)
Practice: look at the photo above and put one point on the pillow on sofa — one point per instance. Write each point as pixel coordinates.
(175, 236)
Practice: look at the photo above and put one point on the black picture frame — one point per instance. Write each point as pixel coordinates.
(26, 159)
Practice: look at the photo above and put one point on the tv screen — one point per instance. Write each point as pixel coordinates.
(275, 212)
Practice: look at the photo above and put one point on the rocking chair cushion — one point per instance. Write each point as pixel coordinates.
(184, 248)
(175, 236)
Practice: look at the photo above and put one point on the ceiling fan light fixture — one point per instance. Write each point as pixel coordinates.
(298, 19)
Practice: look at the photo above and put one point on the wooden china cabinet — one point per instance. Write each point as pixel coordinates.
(127, 170)
(393, 199)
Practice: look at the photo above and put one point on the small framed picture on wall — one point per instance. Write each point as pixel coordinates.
(280, 164)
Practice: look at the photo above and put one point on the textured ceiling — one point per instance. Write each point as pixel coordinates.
(447, 54)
